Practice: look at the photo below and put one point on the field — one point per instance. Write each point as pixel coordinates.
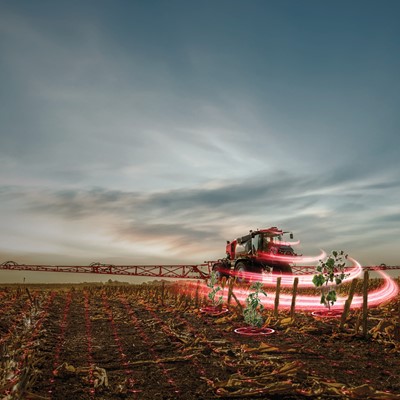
(152, 342)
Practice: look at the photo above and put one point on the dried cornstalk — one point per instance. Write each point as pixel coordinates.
(293, 305)
(365, 304)
(348, 303)
(237, 302)
(162, 360)
(278, 290)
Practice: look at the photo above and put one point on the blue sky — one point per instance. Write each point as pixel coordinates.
(148, 132)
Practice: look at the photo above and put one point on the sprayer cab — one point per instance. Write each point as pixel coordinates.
(263, 241)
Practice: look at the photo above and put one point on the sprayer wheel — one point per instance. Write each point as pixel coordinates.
(241, 270)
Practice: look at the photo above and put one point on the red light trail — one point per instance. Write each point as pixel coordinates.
(381, 295)
(292, 258)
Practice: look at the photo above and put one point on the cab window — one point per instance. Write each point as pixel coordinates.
(256, 243)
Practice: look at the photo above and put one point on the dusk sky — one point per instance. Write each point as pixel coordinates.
(143, 132)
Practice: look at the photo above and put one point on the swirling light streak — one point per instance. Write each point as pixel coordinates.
(292, 258)
(388, 291)
(381, 295)
(292, 244)
(305, 280)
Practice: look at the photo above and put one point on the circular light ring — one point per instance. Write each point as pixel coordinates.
(214, 311)
(250, 331)
(327, 313)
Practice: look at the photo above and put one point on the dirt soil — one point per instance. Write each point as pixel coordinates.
(99, 344)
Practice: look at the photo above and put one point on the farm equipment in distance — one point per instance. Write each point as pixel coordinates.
(258, 251)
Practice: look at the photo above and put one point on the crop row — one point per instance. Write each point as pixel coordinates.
(19, 344)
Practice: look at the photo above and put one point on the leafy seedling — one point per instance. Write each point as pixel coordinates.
(252, 312)
(212, 283)
(330, 273)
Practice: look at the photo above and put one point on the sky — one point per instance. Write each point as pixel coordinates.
(150, 132)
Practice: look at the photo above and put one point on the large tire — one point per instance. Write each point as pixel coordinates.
(220, 271)
(241, 269)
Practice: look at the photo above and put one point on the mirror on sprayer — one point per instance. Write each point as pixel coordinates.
(291, 235)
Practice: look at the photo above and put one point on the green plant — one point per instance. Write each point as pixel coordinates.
(330, 273)
(252, 312)
(212, 283)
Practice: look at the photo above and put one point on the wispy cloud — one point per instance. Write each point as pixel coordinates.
(194, 223)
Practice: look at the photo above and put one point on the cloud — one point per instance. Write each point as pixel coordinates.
(193, 223)
(91, 112)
